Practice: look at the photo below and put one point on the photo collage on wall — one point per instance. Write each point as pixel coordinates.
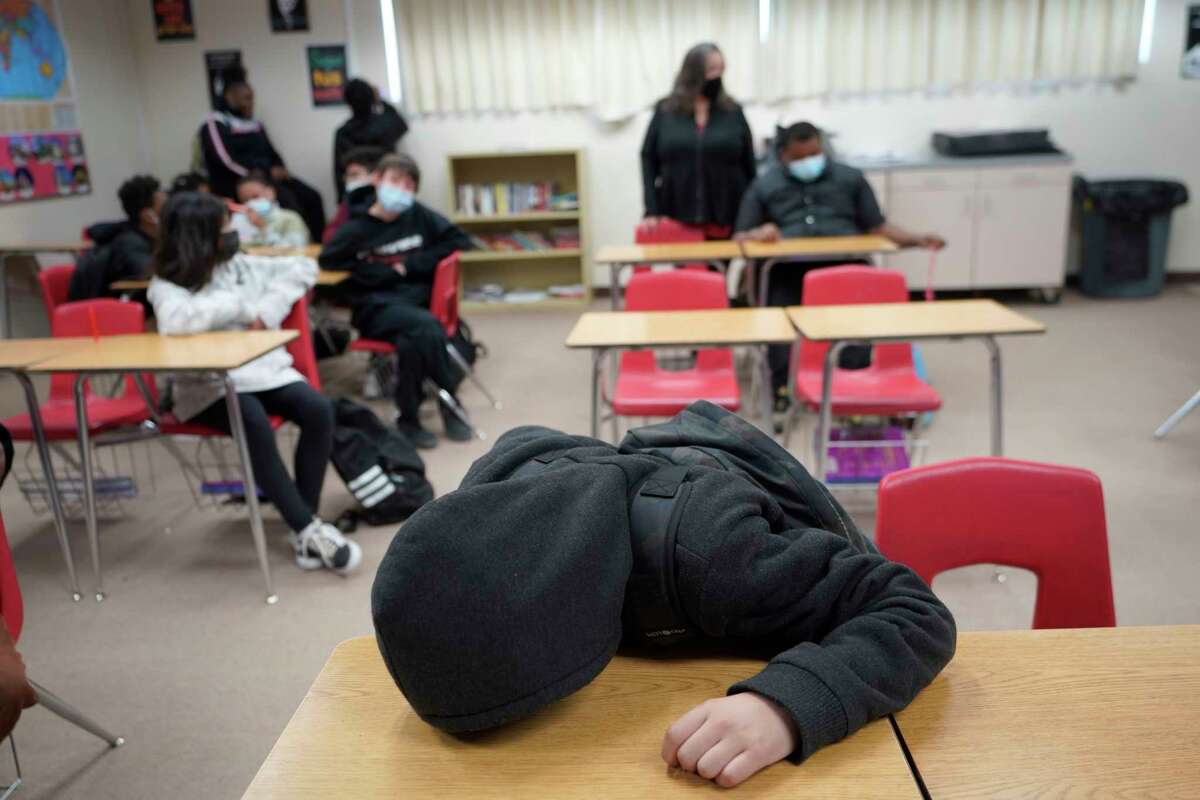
(41, 147)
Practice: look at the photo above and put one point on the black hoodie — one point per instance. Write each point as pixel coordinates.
(382, 129)
(507, 594)
(121, 252)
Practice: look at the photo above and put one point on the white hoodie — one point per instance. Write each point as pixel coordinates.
(244, 289)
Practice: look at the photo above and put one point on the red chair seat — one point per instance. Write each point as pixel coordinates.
(372, 346)
(653, 392)
(884, 391)
(58, 417)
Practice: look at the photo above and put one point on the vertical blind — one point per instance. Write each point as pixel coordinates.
(616, 57)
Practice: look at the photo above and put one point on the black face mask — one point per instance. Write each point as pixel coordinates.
(227, 246)
(711, 89)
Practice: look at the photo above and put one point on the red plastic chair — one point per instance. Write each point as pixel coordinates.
(443, 304)
(643, 389)
(666, 231)
(890, 385)
(103, 317)
(12, 607)
(1044, 518)
(56, 283)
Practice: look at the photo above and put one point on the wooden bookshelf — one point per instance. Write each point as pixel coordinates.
(523, 269)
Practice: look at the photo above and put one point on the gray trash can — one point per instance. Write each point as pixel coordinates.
(1124, 228)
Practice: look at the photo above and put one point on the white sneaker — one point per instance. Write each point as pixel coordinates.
(322, 545)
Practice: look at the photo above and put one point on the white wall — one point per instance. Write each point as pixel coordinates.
(1147, 128)
(174, 93)
(106, 83)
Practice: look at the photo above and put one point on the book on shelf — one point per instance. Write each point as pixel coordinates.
(559, 238)
(490, 199)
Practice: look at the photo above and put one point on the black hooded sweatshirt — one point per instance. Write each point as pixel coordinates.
(382, 129)
(369, 247)
(121, 252)
(507, 594)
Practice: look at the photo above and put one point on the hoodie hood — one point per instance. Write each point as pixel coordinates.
(104, 232)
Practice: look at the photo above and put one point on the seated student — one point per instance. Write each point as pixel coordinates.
(373, 123)
(392, 248)
(233, 144)
(359, 187)
(809, 194)
(122, 249)
(515, 590)
(264, 222)
(189, 182)
(202, 283)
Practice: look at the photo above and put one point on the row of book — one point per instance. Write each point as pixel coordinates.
(489, 199)
(558, 238)
(495, 293)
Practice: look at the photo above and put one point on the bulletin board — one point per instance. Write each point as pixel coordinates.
(41, 146)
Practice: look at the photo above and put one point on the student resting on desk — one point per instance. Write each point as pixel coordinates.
(202, 283)
(122, 249)
(809, 194)
(392, 249)
(263, 222)
(515, 590)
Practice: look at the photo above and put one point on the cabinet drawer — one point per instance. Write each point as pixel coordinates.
(1009, 177)
(903, 179)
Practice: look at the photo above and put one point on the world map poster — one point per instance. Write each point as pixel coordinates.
(41, 147)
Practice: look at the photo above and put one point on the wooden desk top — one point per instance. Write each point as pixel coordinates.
(310, 250)
(820, 246)
(355, 736)
(880, 321)
(668, 253)
(24, 353)
(325, 277)
(1098, 713)
(727, 326)
(66, 246)
(154, 352)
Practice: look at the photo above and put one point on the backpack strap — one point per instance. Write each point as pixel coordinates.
(652, 612)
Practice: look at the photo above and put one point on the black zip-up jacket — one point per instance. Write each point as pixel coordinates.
(697, 177)
(233, 147)
(370, 248)
(121, 252)
(507, 594)
(378, 130)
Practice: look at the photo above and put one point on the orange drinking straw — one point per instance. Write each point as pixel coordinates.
(95, 327)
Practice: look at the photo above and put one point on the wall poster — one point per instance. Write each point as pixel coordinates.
(327, 73)
(173, 20)
(41, 147)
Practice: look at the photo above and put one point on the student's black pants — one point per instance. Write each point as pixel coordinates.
(786, 289)
(299, 403)
(420, 343)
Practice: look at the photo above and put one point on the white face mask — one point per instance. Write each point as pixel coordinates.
(261, 206)
(354, 186)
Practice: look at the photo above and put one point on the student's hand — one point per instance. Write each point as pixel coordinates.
(379, 212)
(256, 219)
(765, 233)
(931, 241)
(257, 325)
(652, 221)
(728, 739)
(400, 269)
(279, 173)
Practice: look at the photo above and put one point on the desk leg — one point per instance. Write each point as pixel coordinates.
(764, 280)
(997, 397)
(236, 426)
(60, 517)
(824, 420)
(598, 356)
(614, 285)
(89, 491)
(765, 400)
(1178, 416)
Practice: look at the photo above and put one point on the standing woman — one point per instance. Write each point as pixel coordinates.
(202, 283)
(698, 156)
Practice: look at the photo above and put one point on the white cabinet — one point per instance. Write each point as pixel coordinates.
(1005, 226)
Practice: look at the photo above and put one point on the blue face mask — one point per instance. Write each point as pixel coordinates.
(261, 206)
(394, 199)
(808, 169)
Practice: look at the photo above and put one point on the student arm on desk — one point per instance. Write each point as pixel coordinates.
(179, 311)
(291, 278)
(864, 634)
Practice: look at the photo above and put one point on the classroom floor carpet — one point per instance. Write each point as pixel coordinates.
(186, 661)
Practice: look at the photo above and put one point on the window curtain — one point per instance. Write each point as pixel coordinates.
(614, 58)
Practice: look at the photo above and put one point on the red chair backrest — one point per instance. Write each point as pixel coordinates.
(678, 290)
(443, 301)
(833, 286)
(1044, 518)
(666, 231)
(304, 358)
(102, 317)
(56, 283)
(11, 605)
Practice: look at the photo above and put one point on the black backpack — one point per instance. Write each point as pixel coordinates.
(381, 469)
